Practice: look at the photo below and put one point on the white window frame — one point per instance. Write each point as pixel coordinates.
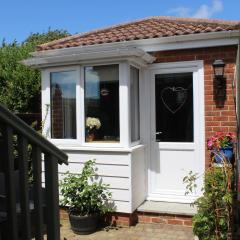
(124, 107)
(135, 143)
(46, 101)
(121, 133)
(196, 68)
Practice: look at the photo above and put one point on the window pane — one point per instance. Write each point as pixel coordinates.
(134, 82)
(174, 107)
(63, 104)
(102, 103)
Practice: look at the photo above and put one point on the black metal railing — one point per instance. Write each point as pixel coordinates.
(28, 210)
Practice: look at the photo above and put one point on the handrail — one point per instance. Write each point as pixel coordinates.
(33, 136)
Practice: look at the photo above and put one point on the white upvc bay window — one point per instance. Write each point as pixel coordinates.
(93, 105)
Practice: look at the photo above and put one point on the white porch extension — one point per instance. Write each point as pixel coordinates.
(121, 163)
(117, 87)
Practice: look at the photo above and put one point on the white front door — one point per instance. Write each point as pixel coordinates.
(177, 129)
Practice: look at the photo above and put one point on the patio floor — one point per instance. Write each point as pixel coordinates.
(139, 232)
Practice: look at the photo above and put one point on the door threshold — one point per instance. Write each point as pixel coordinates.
(170, 208)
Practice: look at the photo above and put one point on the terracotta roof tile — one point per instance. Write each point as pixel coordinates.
(153, 27)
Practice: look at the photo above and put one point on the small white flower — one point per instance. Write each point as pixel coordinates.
(92, 122)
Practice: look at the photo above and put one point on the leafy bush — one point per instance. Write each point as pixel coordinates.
(214, 217)
(20, 85)
(84, 196)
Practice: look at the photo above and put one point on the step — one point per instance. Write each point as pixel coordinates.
(171, 208)
(166, 213)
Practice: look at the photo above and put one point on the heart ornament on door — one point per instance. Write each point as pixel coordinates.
(174, 98)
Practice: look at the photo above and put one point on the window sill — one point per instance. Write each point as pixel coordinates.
(99, 148)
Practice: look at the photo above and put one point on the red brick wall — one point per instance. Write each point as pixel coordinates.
(127, 220)
(171, 219)
(164, 219)
(217, 118)
(114, 219)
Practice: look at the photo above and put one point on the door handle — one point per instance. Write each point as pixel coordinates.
(157, 138)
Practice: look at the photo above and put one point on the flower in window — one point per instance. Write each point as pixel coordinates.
(92, 123)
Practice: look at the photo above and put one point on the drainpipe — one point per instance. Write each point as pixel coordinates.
(237, 102)
(238, 116)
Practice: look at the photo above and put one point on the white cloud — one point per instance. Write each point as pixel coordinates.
(204, 11)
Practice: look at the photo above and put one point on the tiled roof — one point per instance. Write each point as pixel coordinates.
(153, 27)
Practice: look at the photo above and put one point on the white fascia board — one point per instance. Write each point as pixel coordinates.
(189, 41)
(117, 46)
(83, 57)
(190, 45)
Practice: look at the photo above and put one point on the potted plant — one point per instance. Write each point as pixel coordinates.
(92, 124)
(221, 146)
(85, 198)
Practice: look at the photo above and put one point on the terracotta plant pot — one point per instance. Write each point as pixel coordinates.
(83, 224)
(90, 137)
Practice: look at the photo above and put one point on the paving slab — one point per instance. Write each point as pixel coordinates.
(139, 232)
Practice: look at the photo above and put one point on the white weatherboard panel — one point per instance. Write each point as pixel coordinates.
(113, 169)
(123, 206)
(138, 178)
(114, 182)
(120, 195)
(117, 193)
(101, 158)
(105, 170)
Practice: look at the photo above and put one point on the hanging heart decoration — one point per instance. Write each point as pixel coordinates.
(174, 98)
(104, 92)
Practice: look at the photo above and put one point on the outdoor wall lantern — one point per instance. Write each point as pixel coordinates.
(218, 67)
(219, 82)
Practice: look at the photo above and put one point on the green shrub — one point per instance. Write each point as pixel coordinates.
(20, 85)
(214, 216)
(84, 196)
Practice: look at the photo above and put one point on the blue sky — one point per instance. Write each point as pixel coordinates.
(18, 18)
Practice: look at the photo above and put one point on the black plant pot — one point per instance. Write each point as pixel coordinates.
(83, 224)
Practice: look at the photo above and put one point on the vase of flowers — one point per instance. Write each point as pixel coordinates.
(92, 124)
(221, 146)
